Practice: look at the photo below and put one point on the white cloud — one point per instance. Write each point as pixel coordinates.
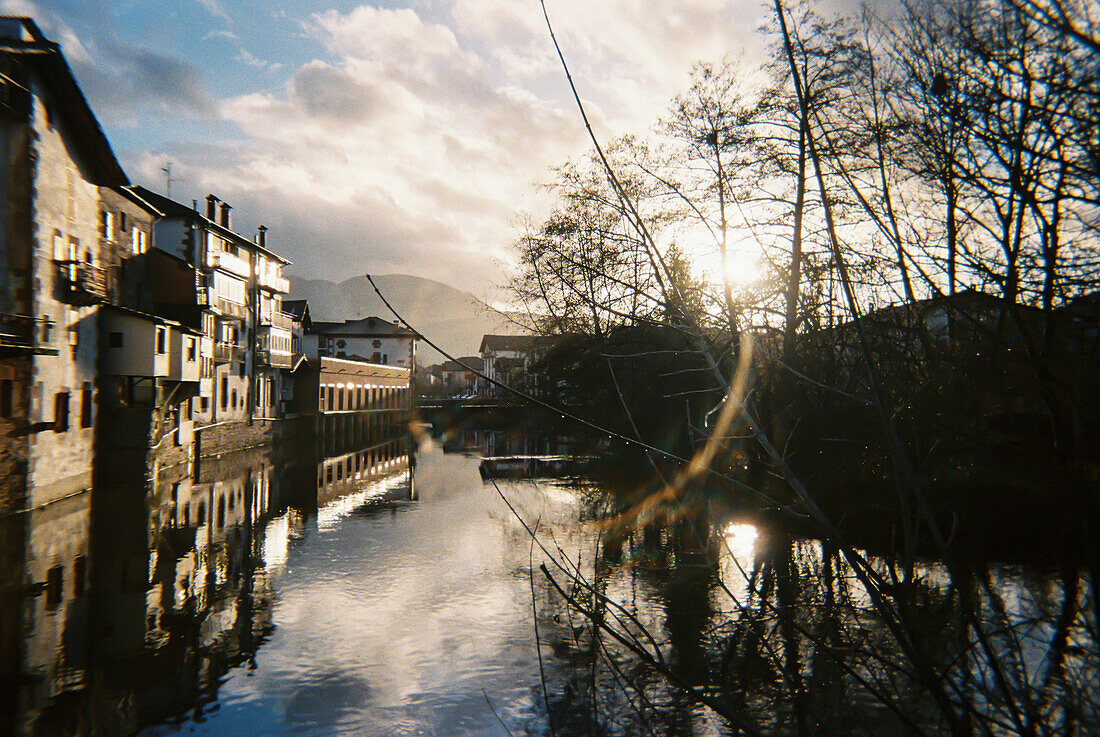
(216, 9)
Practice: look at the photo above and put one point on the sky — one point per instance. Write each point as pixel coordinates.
(386, 137)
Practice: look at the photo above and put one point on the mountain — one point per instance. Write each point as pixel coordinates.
(453, 319)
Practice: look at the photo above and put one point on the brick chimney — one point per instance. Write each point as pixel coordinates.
(211, 208)
(226, 221)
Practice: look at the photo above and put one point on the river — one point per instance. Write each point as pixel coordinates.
(397, 590)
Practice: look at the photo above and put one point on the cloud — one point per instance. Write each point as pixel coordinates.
(129, 82)
(221, 33)
(216, 9)
(243, 55)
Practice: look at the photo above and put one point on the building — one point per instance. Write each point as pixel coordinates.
(508, 359)
(461, 376)
(53, 277)
(369, 339)
(231, 289)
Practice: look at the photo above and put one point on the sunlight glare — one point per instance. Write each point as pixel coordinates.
(741, 538)
(742, 266)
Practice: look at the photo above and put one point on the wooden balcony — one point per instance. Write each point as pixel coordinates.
(80, 283)
(19, 334)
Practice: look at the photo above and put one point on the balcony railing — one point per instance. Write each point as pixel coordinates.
(19, 334)
(276, 359)
(226, 352)
(278, 320)
(80, 283)
(274, 282)
(228, 262)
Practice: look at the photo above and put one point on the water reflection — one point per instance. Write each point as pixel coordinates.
(128, 605)
(378, 590)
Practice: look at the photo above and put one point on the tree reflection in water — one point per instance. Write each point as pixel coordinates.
(762, 631)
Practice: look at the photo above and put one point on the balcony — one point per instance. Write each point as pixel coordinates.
(227, 352)
(19, 334)
(276, 359)
(228, 262)
(80, 283)
(279, 320)
(274, 282)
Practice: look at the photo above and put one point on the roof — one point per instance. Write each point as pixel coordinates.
(366, 326)
(471, 362)
(510, 342)
(297, 308)
(21, 38)
(152, 318)
(173, 209)
(134, 197)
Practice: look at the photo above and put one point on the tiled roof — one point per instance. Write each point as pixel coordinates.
(371, 326)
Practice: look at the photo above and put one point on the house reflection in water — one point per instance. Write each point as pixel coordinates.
(128, 605)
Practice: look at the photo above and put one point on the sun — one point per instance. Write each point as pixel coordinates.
(743, 265)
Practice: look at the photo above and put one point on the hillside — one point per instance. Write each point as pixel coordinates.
(451, 318)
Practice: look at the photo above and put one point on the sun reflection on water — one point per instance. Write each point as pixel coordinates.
(741, 538)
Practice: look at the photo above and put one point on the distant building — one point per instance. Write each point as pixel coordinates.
(369, 339)
(508, 358)
(461, 377)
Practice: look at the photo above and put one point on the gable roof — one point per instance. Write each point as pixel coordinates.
(366, 326)
(297, 308)
(21, 38)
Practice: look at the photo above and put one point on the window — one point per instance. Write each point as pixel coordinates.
(80, 570)
(235, 403)
(321, 399)
(86, 404)
(106, 225)
(114, 340)
(225, 392)
(192, 349)
(7, 397)
(61, 412)
(138, 242)
(385, 358)
(55, 579)
(122, 221)
(162, 340)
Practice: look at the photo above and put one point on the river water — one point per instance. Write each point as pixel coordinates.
(397, 590)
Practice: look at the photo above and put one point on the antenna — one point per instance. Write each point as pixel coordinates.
(168, 179)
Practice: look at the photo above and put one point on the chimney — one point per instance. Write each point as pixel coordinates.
(226, 222)
(211, 207)
(261, 236)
